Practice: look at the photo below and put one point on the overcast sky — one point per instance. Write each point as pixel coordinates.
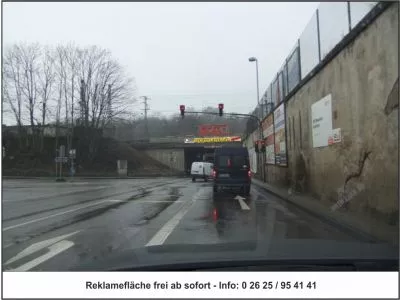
(179, 53)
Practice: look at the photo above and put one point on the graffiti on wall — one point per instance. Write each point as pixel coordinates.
(346, 194)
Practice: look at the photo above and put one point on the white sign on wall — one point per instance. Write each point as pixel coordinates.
(321, 113)
(253, 160)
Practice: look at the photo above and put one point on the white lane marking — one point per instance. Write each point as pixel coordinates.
(45, 196)
(54, 250)
(243, 204)
(39, 246)
(52, 216)
(160, 237)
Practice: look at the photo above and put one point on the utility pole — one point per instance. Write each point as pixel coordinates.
(146, 108)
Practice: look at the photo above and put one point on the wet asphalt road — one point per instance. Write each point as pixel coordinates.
(53, 226)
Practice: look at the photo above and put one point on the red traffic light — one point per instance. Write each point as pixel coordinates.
(182, 108)
(220, 109)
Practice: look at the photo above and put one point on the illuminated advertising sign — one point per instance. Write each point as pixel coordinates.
(213, 130)
(222, 139)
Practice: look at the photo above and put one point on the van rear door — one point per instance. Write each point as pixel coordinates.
(197, 168)
(232, 165)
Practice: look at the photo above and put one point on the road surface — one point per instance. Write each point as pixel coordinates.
(54, 226)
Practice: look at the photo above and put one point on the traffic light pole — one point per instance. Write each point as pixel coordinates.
(240, 115)
(229, 114)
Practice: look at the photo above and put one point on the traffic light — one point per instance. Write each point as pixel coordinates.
(182, 109)
(263, 148)
(221, 109)
(256, 147)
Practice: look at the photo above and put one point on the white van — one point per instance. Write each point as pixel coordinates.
(201, 170)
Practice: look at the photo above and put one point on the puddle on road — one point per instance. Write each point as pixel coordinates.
(75, 219)
(173, 195)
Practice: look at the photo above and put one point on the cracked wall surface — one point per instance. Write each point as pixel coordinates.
(359, 174)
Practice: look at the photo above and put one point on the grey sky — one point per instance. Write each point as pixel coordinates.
(179, 53)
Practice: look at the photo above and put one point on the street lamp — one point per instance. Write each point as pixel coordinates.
(260, 133)
(252, 59)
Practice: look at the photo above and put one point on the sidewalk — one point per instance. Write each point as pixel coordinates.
(360, 227)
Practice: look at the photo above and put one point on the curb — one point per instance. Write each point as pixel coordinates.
(341, 224)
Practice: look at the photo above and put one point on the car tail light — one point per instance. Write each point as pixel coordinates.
(249, 173)
(229, 163)
(214, 173)
(215, 214)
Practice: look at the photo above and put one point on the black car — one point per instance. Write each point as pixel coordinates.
(232, 169)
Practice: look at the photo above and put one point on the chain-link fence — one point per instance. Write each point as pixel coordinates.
(330, 23)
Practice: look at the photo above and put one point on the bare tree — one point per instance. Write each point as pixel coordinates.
(46, 79)
(30, 56)
(108, 91)
(12, 83)
(44, 85)
(21, 82)
(71, 53)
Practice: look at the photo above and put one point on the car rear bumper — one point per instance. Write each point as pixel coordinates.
(232, 183)
(198, 175)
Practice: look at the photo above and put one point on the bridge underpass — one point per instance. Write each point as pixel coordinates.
(180, 156)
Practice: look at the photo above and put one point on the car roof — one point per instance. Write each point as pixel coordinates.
(232, 151)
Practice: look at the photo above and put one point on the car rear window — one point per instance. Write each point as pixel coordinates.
(239, 161)
(235, 161)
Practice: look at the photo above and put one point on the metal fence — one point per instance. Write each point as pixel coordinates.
(330, 23)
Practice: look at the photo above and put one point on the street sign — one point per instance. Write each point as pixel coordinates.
(72, 153)
(62, 151)
(63, 159)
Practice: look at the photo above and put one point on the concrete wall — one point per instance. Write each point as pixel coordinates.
(358, 175)
(362, 170)
(173, 158)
